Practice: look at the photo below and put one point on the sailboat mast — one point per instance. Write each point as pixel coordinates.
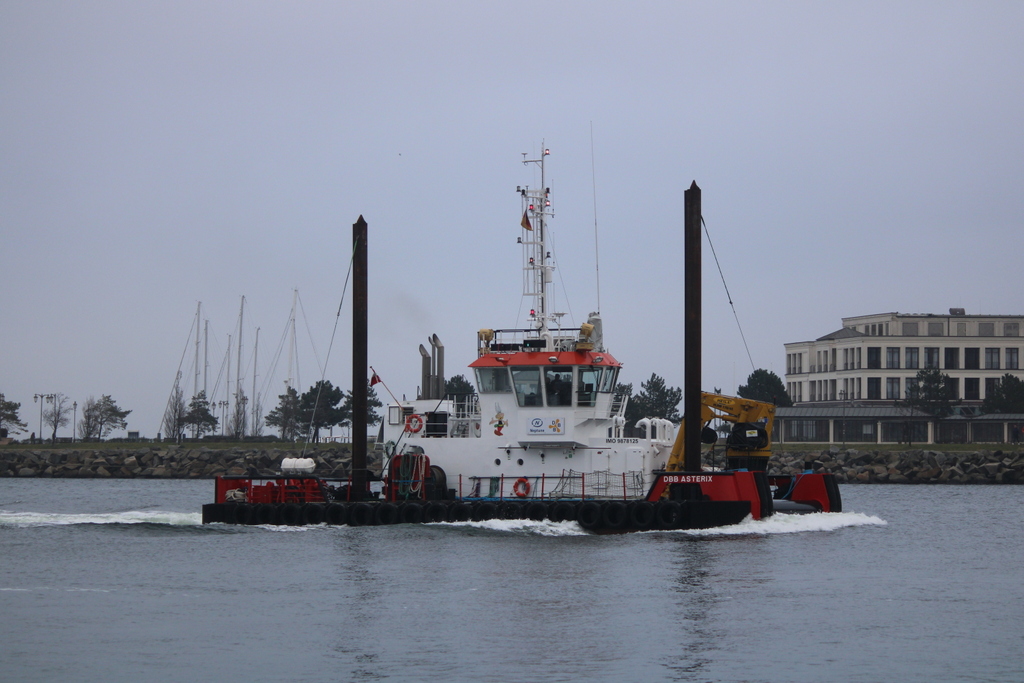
(238, 374)
(206, 354)
(227, 388)
(195, 383)
(288, 383)
(255, 401)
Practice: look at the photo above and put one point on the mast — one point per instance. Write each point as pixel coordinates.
(255, 401)
(538, 266)
(238, 374)
(288, 383)
(195, 383)
(206, 354)
(227, 386)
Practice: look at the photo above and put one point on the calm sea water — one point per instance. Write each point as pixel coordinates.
(119, 581)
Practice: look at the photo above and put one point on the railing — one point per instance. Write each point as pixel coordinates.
(570, 485)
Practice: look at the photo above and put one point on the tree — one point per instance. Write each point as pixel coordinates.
(654, 400)
(238, 420)
(765, 385)
(372, 402)
(10, 423)
(57, 414)
(286, 415)
(199, 417)
(931, 393)
(101, 417)
(320, 407)
(458, 385)
(174, 414)
(1008, 396)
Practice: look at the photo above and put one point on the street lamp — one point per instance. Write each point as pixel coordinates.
(39, 398)
(74, 420)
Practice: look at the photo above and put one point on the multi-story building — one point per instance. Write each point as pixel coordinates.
(873, 360)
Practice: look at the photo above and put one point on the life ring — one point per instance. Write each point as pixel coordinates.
(414, 423)
(521, 488)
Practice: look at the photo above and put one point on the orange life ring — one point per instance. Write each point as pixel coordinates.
(413, 423)
(521, 488)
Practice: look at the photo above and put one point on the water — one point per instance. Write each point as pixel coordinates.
(119, 581)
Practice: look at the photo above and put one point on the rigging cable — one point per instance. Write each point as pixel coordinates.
(727, 294)
(323, 373)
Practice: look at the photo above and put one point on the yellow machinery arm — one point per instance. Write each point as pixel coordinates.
(750, 443)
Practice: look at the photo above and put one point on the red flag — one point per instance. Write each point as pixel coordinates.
(526, 222)
(374, 379)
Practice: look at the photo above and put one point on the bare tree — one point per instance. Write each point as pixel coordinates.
(58, 415)
(176, 413)
(237, 421)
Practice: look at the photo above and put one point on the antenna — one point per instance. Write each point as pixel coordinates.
(597, 255)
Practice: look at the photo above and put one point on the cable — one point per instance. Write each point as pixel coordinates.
(728, 295)
(323, 373)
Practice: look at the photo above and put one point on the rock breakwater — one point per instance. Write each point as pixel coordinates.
(167, 462)
(852, 466)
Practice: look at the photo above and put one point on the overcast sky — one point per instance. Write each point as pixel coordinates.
(854, 158)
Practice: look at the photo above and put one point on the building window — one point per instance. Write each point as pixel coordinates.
(931, 357)
(952, 359)
(991, 359)
(892, 387)
(909, 329)
(1011, 359)
(972, 389)
(858, 358)
(972, 359)
(892, 357)
(953, 387)
(1011, 329)
(991, 386)
(911, 386)
(934, 329)
(874, 388)
(910, 356)
(874, 357)
(961, 329)
(986, 329)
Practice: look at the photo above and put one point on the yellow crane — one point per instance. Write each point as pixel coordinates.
(749, 445)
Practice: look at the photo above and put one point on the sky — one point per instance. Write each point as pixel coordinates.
(854, 158)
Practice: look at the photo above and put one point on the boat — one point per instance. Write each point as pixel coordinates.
(544, 437)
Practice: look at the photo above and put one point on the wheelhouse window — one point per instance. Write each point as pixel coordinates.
(527, 385)
(589, 383)
(558, 385)
(608, 381)
(493, 380)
